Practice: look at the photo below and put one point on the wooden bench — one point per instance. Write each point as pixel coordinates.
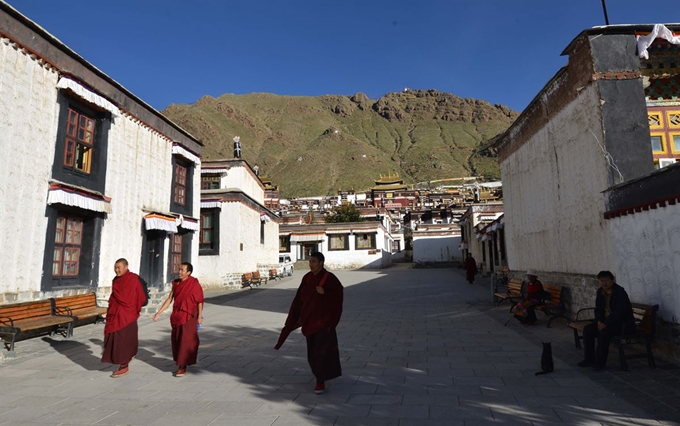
(640, 331)
(247, 280)
(31, 316)
(259, 278)
(273, 275)
(553, 305)
(512, 292)
(82, 308)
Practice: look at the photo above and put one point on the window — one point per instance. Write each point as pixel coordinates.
(180, 184)
(365, 241)
(181, 195)
(657, 143)
(338, 242)
(655, 120)
(675, 143)
(209, 233)
(79, 141)
(262, 231)
(175, 253)
(674, 119)
(210, 182)
(68, 238)
(80, 154)
(284, 244)
(396, 246)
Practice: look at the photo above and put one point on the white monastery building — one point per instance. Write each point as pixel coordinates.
(96, 174)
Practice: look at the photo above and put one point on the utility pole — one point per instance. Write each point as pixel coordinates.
(604, 8)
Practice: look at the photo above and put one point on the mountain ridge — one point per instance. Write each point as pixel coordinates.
(319, 145)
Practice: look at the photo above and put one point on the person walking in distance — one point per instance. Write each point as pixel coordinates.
(317, 308)
(471, 270)
(120, 332)
(186, 316)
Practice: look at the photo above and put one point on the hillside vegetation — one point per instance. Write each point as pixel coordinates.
(318, 145)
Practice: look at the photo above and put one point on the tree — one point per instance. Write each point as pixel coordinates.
(346, 212)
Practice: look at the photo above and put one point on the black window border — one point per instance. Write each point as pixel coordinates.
(215, 248)
(287, 247)
(373, 236)
(96, 179)
(336, 249)
(188, 207)
(88, 274)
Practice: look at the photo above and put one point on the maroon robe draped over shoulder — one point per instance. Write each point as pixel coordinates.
(120, 331)
(318, 315)
(470, 266)
(187, 295)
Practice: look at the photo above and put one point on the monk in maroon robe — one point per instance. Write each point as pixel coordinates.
(187, 314)
(470, 266)
(317, 308)
(120, 332)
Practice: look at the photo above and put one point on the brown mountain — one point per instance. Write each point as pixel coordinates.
(318, 145)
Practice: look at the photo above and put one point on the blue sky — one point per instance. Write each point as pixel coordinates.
(176, 51)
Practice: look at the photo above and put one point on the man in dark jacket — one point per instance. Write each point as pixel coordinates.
(612, 311)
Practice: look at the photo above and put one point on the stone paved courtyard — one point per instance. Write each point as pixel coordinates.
(419, 347)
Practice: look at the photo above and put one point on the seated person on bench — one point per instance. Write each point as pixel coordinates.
(525, 311)
(612, 310)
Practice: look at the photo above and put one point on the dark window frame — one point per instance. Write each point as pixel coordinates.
(286, 246)
(187, 207)
(345, 241)
(373, 237)
(94, 178)
(213, 247)
(90, 247)
(210, 182)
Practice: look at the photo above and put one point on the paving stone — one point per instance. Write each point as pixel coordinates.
(435, 352)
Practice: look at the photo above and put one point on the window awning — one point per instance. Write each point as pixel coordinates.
(76, 197)
(188, 223)
(211, 204)
(307, 237)
(178, 150)
(205, 171)
(86, 94)
(265, 218)
(160, 222)
(337, 231)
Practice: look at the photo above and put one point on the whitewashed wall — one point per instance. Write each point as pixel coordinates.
(435, 248)
(552, 194)
(239, 224)
(240, 177)
(647, 255)
(352, 258)
(139, 176)
(28, 133)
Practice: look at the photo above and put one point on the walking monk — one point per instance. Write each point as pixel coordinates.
(120, 332)
(317, 308)
(187, 313)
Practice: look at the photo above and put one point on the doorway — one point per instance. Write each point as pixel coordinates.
(151, 268)
(307, 250)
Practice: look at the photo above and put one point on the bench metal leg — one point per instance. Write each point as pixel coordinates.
(650, 355)
(557, 316)
(622, 357)
(577, 339)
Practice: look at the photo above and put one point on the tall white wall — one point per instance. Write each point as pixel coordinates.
(647, 255)
(139, 176)
(435, 248)
(28, 134)
(240, 177)
(552, 194)
(239, 224)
